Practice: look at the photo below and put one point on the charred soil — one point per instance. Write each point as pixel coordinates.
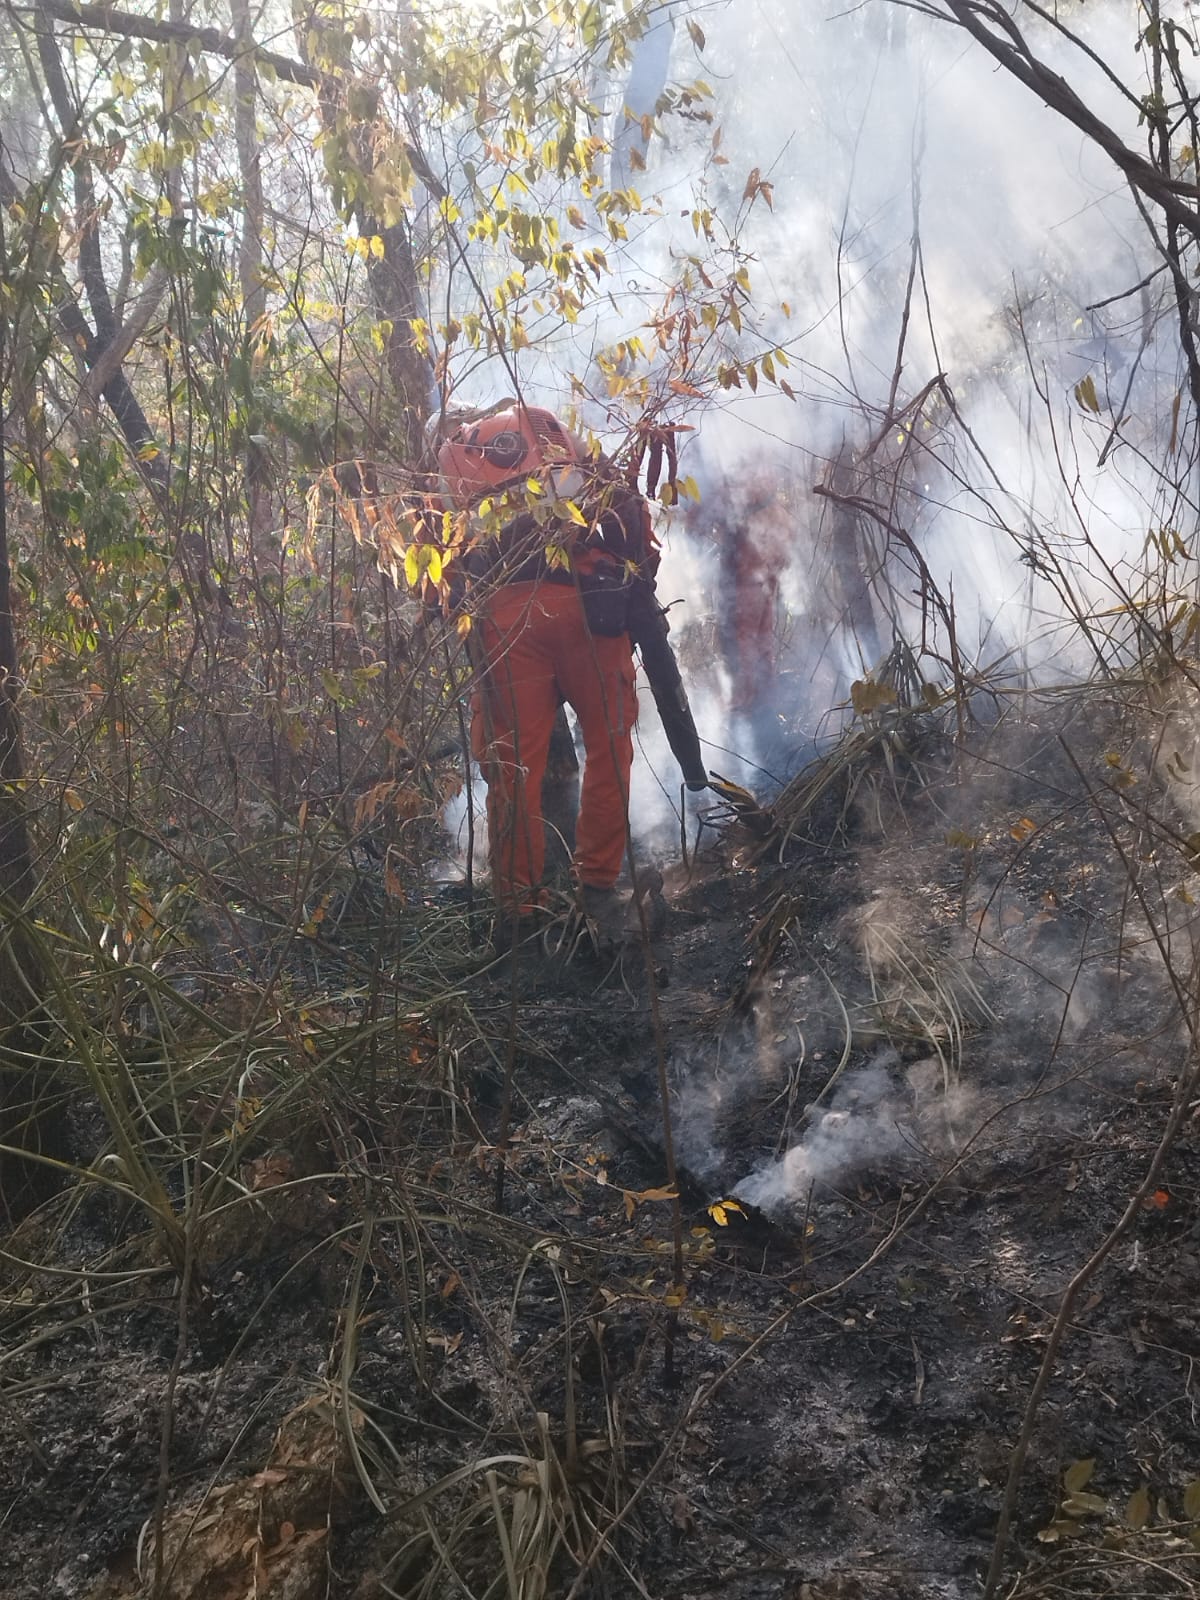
(923, 1028)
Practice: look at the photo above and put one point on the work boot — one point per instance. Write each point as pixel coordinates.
(605, 912)
(650, 882)
(521, 934)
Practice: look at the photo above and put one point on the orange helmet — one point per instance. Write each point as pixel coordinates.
(480, 457)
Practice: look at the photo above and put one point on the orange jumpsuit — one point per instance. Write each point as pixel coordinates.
(537, 650)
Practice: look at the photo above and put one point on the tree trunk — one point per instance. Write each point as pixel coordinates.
(32, 1113)
(391, 277)
(95, 346)
(250, 250)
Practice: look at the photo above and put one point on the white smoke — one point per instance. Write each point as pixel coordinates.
(880, 124)
(840, 1143)
(883, 133)
(876, 1116)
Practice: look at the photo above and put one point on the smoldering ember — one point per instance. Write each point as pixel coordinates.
(599, 800)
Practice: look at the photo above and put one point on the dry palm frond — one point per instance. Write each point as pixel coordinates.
(895, 712)
(506, 1523)
(496, 1526)
(930, 999)
(884, 737)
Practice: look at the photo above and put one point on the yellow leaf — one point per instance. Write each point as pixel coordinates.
(406, 803)
(463, 626)
(1085, 1505)
(1023, 828)
(1078, 1475)
(376, 247)
(1085, 393)
(73, 799)
(1191, 1501)
(866, 695)
(1056, 1531)
(372, 803)
(1137, 1512)
(412, 566)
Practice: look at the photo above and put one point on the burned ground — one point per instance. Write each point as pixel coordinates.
(922, 1042)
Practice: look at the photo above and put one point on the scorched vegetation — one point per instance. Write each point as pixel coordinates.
(837, 1236)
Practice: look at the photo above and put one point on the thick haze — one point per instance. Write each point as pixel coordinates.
(863, 123)
(875, 126)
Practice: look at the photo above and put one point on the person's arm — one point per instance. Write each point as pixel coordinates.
(628, 531)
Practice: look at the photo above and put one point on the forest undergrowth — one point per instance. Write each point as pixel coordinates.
(364, 1273)
(836, 1241)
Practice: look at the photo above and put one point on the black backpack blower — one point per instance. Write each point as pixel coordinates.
(648, 628)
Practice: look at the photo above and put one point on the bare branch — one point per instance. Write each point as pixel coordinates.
(982, 18)
(100, 19)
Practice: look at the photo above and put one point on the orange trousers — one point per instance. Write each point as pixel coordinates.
(537, 651)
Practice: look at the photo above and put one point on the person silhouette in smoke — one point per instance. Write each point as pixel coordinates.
(753, 555)
(751, 528)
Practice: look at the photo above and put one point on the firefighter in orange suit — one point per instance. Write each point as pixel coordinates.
(547, 590)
